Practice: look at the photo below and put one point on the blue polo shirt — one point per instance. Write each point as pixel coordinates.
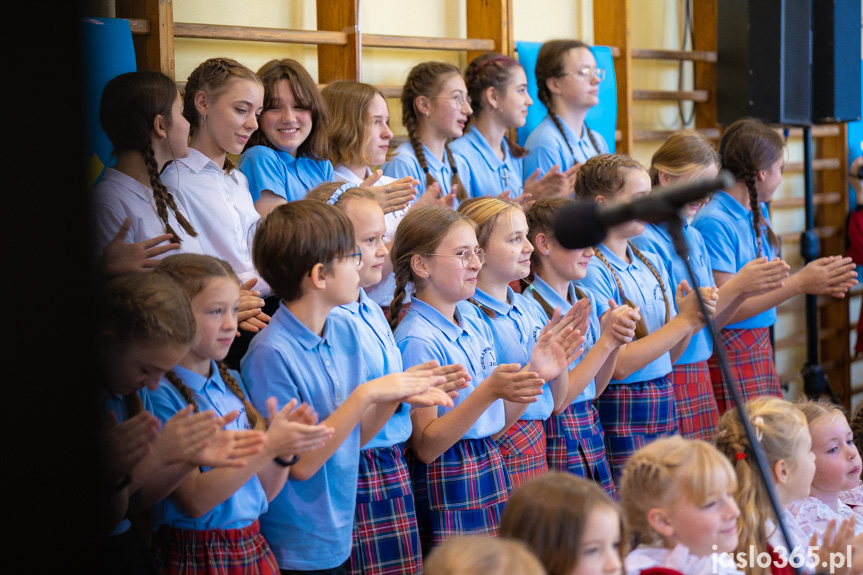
(515, 331)
(542, 289)
(281, 173)
(247, 503)
(405, 163)
(381, 356)
(485, 174)
(547, 147)
(642, 289)
(425, 334)
(657, 239)
(726, 227)
(308, 525)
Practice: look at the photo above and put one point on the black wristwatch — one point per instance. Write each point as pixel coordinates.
(286, 463)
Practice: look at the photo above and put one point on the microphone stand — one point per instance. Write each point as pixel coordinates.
(675, 228)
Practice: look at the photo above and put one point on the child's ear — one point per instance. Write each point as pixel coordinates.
(657, 518)
(159, 126)
(761, 175)
(552, 85)
(664, 179)
(492, 97)
(202, 104)
(781, 472)
(419, 266)
(317, 277)
(540, 243)
(600, 200)
(422, 105)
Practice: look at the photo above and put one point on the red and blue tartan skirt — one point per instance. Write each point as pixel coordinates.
(461, 492)
(576, 443)
(633, 415)
(385, 535)
(214, 551)
(749, 354)
(697, 414)
(523, 450)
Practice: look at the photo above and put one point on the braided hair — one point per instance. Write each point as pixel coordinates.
(425, 79)
(129, 105)
(193, 272)
(748, 146)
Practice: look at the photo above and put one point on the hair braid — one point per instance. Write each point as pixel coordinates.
(658, 277)
(256, 421)
(461, 193)
(177, 382)
(641, 326)
(163, 198)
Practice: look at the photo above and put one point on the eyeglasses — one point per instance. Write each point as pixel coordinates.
(358, 256)
(466, 256)
(459, 98)
(587, 72)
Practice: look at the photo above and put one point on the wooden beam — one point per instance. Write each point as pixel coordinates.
(818, 164)
(681, 95)
(153, 51)
(612, 27)
(252, 34)
(490, 19)
(704, 18)
(479, 45)
(680, 55)
(660, 135)
(340, 62)
(797, 203)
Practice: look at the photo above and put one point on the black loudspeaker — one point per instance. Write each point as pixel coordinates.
(836, 60)
(762, 68)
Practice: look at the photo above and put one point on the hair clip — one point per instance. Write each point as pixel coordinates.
(339, 191)
(759, 423)
(740, 455)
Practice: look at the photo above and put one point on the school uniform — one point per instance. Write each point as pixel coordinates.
(117, 197)
(575, 440)
(697, 414)
(813, 515)
(381, 292)
(515, 327)
(385, 534)
(660, 560)
(309, 523)
(281, 173)
(405, 163)
(640, 408)
(465, 489)
(726, 227)
(220, 208)
(485, 174)
(228, 536)
(547, 147)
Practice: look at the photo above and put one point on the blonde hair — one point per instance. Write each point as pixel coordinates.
(778, 425)
(658, 473)
(683, 152)
(815, 409)
(481, 555)
(349, 103)
(549, 513)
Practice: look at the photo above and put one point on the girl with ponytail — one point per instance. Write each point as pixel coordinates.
(219, 508)
(435, 109)
(736, 229)
(142, 115)
(638, 405)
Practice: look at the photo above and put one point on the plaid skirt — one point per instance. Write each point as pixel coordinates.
(576, 443)
(697, 415)
(404, 310)
(461, 492)
(214, 551)
(385, 535)
(523, 450)
(633, 415)
(750, 360)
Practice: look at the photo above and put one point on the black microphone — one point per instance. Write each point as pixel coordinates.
(585, 223)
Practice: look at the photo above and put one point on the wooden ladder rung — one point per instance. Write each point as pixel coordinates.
(252, 34)
(822, 131)
(794, 237)
(139, 26)
(658, 135)
(689, 95)
(683, 55)
(817, 164)
(796, 339)
(427, 43)
(794, 203)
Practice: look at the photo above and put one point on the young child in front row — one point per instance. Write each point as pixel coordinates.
(574, 436)
(210, 521)
(854, 497)
(780, 428)
(459, 475)
(481, 555)
(386, 539)
(638, 405)
(307, 252)
(515, 323)
(837, 468)
(570, 524)
(678, 497)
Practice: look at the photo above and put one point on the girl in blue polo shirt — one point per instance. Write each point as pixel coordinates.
(736, 229)
(515, 323)
(460, 480)
(497, 86)
(638, 405)
(210, 521)
(567, 83)
(435, 109)
(574, 436)
(685, 156)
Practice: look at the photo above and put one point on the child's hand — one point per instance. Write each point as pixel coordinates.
(456, 376)
(394, 196)
(710, 295)
(618, 323)
(835, 543)
(398, 386)
(124, 445)
(760, 276)
(250, 316)
(434, 396)
(687, 305)
(185, 434)
(120, 258)
(508, 383)
(832, 275)
(229, 448)
(287, 435)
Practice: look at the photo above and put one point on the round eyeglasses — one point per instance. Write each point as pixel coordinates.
(358, 256)
(587, 73)
(459, 98)
(466, 256)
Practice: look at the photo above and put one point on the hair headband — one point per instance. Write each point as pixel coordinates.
(338, 193)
